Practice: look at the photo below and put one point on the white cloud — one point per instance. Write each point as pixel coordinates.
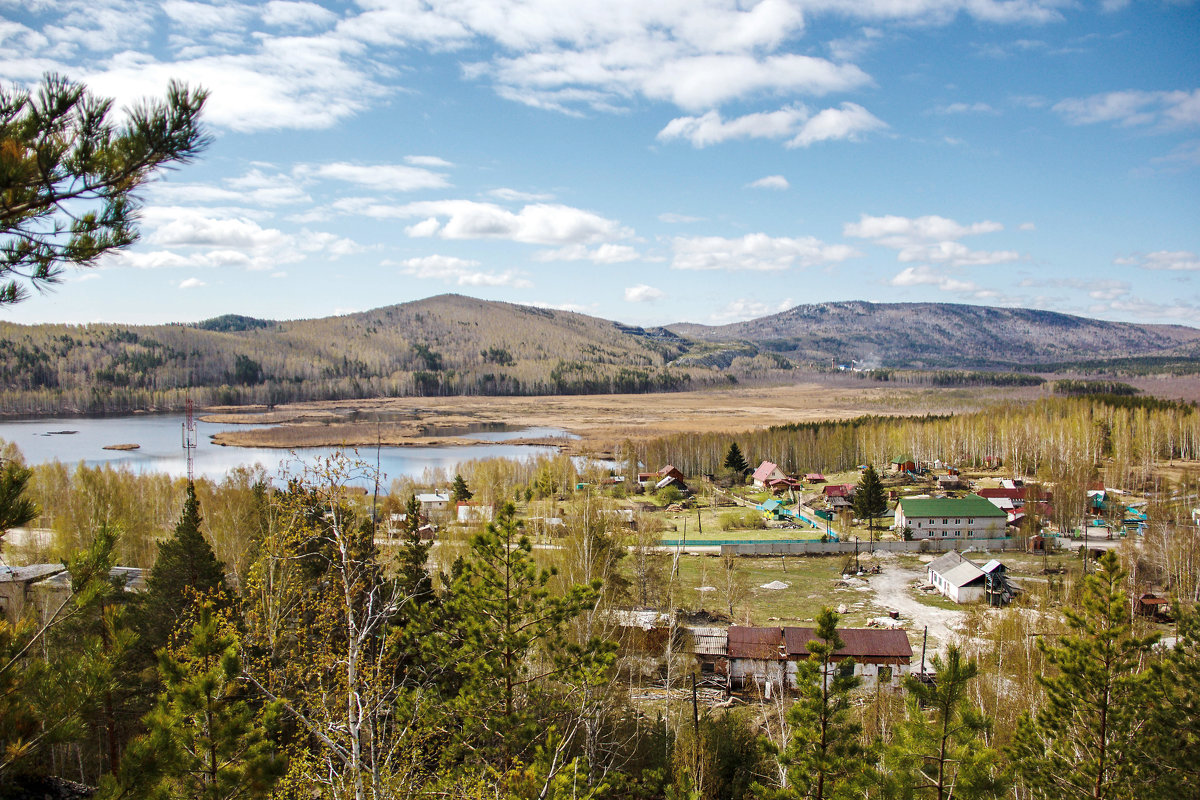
(672, 218)
(460, 271)
(191, 283)
(794, 122)
(206, 16)
(428, 161)
(538, 223)
(1174, 109)
(755, 251)
(743, 309)
(607, 253)
(966, 108)
(382, 177)
(710, 128)
(930, 238)
(1027, 226)
(770, 182)
(575, 307)
(290, 14)
(925, 276)
(643, 294)
(847, 122)
(1169, 260)
(515, 196)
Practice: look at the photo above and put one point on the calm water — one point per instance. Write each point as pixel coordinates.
(161, 440)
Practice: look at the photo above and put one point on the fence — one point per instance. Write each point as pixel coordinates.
(786, 548)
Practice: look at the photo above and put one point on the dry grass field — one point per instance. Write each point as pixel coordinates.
(600, 421)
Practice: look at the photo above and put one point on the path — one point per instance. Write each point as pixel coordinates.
(893, 590)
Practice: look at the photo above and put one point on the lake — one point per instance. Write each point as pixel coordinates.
(74, 439)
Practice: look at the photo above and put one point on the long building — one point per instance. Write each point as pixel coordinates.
(762, 656)
(970, 517)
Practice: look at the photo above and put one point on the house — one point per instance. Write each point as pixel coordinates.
(647, 478)
(710, 646)
(434, 502)
(770, 656)
(777, 485)
(671, 480)
(773, 509)
(45, 587)
(814, 477)
(670, 471)
(475, 513)
(767, 471)
(1154, 607)
(756, 658)
(881, 656)
(963, 581)
(16, 586)
(845, 490)
(951, 480)
(950, 517)
(903, 464)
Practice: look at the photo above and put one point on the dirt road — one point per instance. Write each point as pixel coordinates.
(893, 590)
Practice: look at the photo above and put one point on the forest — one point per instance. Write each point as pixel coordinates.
(290, 644)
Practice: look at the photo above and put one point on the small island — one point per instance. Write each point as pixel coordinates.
(126, 446)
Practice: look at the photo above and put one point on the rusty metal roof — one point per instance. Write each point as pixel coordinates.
(756, 643)
(860, 643)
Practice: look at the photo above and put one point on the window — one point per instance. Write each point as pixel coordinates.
(945, 521)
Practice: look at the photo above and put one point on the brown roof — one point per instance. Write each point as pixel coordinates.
(860, 643)
(757, 643)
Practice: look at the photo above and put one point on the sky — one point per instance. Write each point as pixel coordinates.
(648, 161)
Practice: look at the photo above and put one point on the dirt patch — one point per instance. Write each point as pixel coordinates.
(894, 590)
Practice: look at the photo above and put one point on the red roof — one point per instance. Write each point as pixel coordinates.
(764, 470)
(756, 643)
(860, 643)
(815, 477)
(1010, 494)
(837, 490)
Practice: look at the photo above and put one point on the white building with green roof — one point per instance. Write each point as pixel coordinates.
(970, 517)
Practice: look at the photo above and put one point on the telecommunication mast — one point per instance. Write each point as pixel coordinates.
(189, 436)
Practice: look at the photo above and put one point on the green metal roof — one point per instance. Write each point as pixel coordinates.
(970, 506)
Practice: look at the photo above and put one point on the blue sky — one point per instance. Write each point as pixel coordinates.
(651, 162)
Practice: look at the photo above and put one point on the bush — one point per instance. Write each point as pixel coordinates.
(741, 520)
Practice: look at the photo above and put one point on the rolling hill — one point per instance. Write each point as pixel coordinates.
(455, 345)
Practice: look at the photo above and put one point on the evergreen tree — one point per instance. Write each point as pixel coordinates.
(186, 568)
(61, 151)
(1085, 742)
(16, 509)
(937, 751)
(870, 501)
(826, 755)
(735, 462)
(459, 492)
(414, 583)
(508, 641)
(1173, 732)
(204, 739)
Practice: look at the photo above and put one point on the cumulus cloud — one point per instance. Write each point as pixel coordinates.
(743, 309)
(1169, 260)
(191, 283)
(794, 123)
(643, 294)
(538, 223)
(926, 276)
(930, 239)
(1174, 109)
(755, 251)
(770, 182)
(461, 272)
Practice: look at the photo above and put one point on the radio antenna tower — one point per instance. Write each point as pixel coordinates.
(189, 437)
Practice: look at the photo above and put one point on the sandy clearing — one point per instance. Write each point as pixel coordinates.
(894, 590)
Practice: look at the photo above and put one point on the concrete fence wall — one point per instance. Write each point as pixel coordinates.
(830, 548)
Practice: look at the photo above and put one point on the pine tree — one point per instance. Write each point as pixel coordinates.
(16, 509)
(937, 751)
(186, 568)
(204, 739)
(61, 151)
(1173, 732)
(1085, 741)
(826, 753)
(869, 498)
(735, 462)
(459, 492)
(504, 617)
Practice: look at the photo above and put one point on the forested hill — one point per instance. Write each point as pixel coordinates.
(451, 345)
(444, 345)
(945, 335)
